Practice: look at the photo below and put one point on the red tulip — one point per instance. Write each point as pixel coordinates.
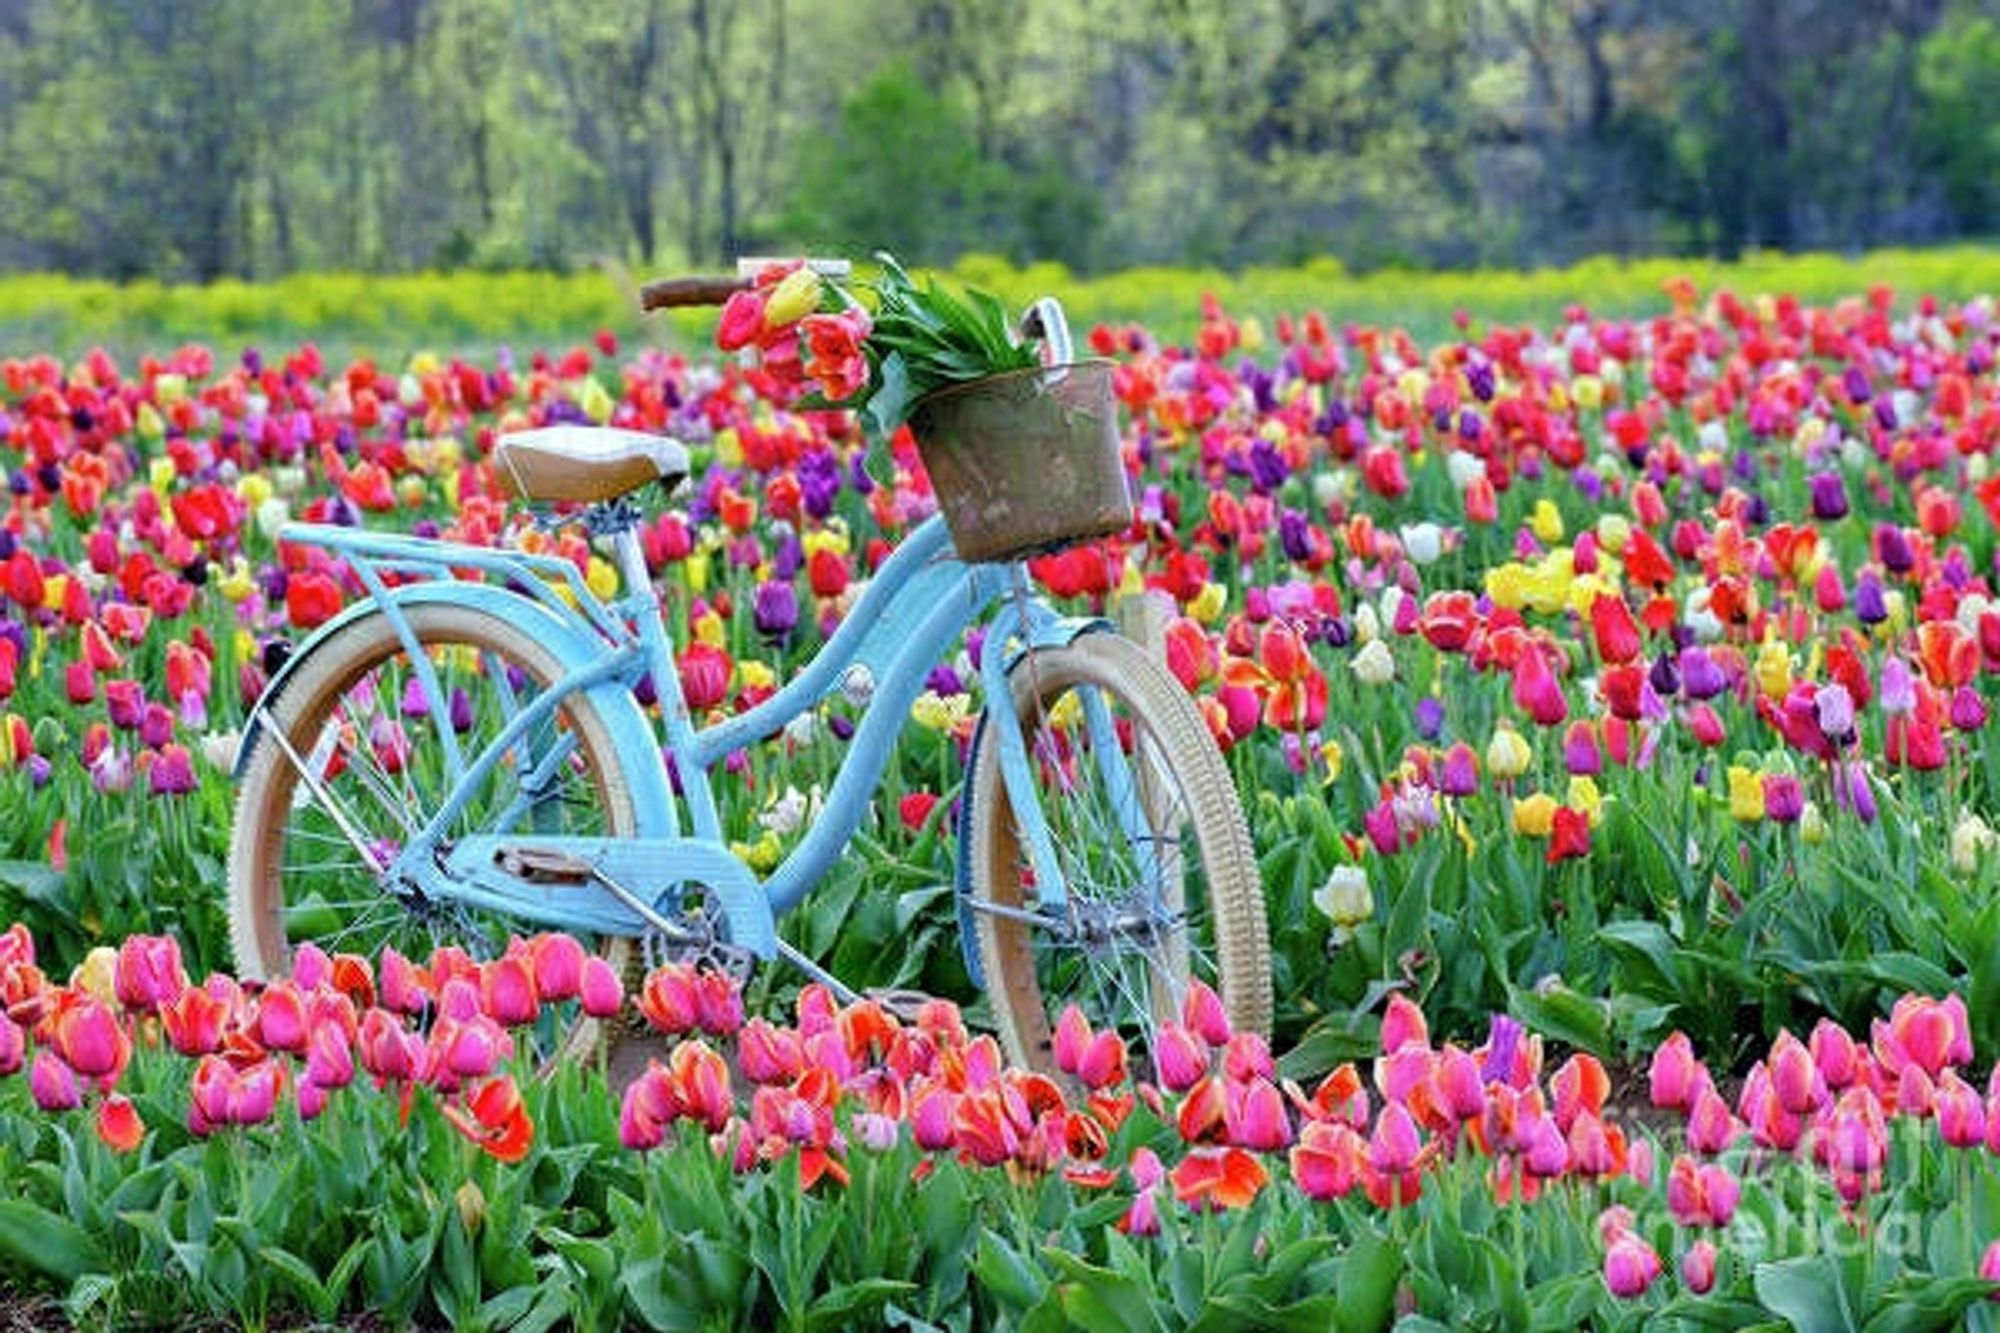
(193, 1021)
(495, 1118)
(1218, 1178)
(118, 1123)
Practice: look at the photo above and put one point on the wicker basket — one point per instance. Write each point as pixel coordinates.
(1025, 462)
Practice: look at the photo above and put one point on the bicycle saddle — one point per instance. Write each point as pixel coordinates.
(586, 464)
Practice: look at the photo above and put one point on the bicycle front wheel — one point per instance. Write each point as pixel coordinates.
(1146, 829)
(351, 762)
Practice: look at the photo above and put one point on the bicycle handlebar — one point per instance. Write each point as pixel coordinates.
(707, 289)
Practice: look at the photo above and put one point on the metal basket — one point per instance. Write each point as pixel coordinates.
(1027, 461)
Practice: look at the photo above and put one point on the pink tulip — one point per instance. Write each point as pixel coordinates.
(281, 1018)
(558, 963)
(53, 1083)
(1103, 1062)
(718, 1004)
(1711, 1128)
(458, 996)
(1204, 1015)
(1246, 1055)
(1254, 1116)
(1989, 1267)
(88, 1037)
(648, 1108)
(466, 1048)
(769, 1054)
(1402, 1071)
(1795, 1079)
(1547, 1152)
(148, 972)
(507, 991)
(329, 1057)
(1393, 1147)
(601, 992)
(1456, 1075)
(1857, 1139)
(668, 999)
(390, 1052)
(1594, 1149)
(1675, 1076)
(1072, 1034)
(1835, 1054)
(1630, 1265)
(931, 1111)
(1326, 1161)
(311, 968)
(1179, 1057)
(1403, 1024)
(403, 988)
(1698, 1267)
(13, 1046)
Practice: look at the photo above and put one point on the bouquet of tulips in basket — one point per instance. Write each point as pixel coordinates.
(875, 346)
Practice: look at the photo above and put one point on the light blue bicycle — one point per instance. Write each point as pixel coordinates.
(465, 753)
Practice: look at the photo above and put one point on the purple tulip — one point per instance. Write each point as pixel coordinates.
(776, 609)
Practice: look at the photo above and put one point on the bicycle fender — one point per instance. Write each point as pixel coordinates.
(574, 649)
(1053, 632)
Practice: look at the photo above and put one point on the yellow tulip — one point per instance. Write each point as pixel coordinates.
(1507, 754)
(1584, 796)
(1333, 757)
(1207, 604)
(1812, 825)
(1547, 522)
(1588, 391)
(752, 674)
(253, 488)
(1613, 532)
(602, 579)
(1535, 815)
(938, 712)
(795, 297)
(1774, 669)
(709, 629)
(1746, 794)
(237, 583)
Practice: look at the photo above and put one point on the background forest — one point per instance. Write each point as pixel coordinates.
(196, 139)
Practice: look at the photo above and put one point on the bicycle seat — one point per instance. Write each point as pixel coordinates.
(586, 464)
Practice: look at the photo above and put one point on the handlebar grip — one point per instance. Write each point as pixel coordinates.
(699, 290)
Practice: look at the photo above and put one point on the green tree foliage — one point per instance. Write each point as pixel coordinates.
(211, 138)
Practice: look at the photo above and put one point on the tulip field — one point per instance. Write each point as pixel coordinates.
(1609, 697)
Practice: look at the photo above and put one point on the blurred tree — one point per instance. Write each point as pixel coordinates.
(201, 138)
(1958, 80)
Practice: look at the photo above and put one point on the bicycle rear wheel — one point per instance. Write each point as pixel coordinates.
(1150, 838)
(307, 852)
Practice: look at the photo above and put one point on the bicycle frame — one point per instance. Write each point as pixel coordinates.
(908, 617)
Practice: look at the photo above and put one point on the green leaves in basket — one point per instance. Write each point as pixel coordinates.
(926, 338)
